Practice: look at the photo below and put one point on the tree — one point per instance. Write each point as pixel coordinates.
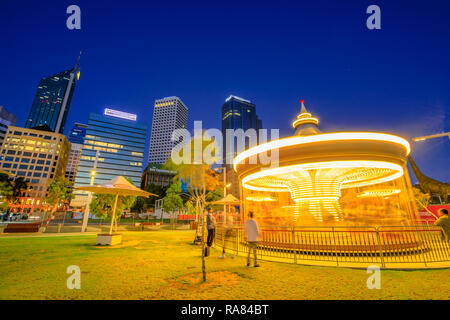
(172, 200)
(142, 203)
(6, 185)
(18, 187)
(214, 195)
(5, 193)
(102, 205)
(59, 192)
(197, 173)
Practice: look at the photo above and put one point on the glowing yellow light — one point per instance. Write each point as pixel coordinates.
(93, 173)
(378, 193)
(394, 171)
(316, 187)
(259, 198)
(339, 136)
(228, 185)
(299, 121)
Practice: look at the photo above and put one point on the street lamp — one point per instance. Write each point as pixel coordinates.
(89, 199)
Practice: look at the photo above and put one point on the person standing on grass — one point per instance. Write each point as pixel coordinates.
(444, 223)
(228, 232)
(252, 232)
(211, 227)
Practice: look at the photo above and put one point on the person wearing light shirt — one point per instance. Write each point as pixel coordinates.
(444, 223)
(252, 232)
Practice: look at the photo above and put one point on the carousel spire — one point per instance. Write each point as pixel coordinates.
(305, 124)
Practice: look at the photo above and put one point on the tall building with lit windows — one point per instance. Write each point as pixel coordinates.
(38, 157)
(169, 114)
(120, 142)
(52, 101)
(237, 113)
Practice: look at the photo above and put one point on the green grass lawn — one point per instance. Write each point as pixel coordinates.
(166, 265)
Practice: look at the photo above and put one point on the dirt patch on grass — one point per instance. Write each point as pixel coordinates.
(213, 279)
(130, 243)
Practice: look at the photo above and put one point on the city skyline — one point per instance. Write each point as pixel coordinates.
(350, 77)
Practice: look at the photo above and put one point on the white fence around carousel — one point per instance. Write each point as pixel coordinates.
(385, 246)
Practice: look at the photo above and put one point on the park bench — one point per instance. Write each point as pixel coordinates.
(151, 223)
(22, 227)
(141, 225)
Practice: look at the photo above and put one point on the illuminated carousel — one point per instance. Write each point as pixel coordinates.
(331, 196)
(327, 179)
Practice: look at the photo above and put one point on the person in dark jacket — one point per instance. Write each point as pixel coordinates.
(211, 227)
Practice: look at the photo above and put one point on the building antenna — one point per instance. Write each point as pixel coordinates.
(78, 61)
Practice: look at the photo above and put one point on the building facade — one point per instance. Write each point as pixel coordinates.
(76, 139)
(237, 113)
(77, 133)
(157, 176)
(52, 101)
(119, 140)
(73, 161)
(37, 156)
(169, 114)
(6, 119)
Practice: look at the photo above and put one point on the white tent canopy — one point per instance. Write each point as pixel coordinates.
(118, 186)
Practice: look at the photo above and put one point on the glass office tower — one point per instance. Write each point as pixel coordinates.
(237, 113)
(120, 142)
(52, 101)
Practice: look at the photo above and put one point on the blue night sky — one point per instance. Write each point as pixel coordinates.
(396, 79)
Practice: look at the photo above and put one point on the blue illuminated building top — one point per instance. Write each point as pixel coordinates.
(77, 133)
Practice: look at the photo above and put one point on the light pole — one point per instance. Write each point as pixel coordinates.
(225, 186)
(89, 199)
(224, 190)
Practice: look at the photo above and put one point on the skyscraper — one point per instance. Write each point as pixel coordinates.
(237, 113)
(120, 141)
(52, 101)
(76, 139)
(169, 114)
(6, 119)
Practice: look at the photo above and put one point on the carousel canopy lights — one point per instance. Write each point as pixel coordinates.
(339, 136)
(378, 193)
